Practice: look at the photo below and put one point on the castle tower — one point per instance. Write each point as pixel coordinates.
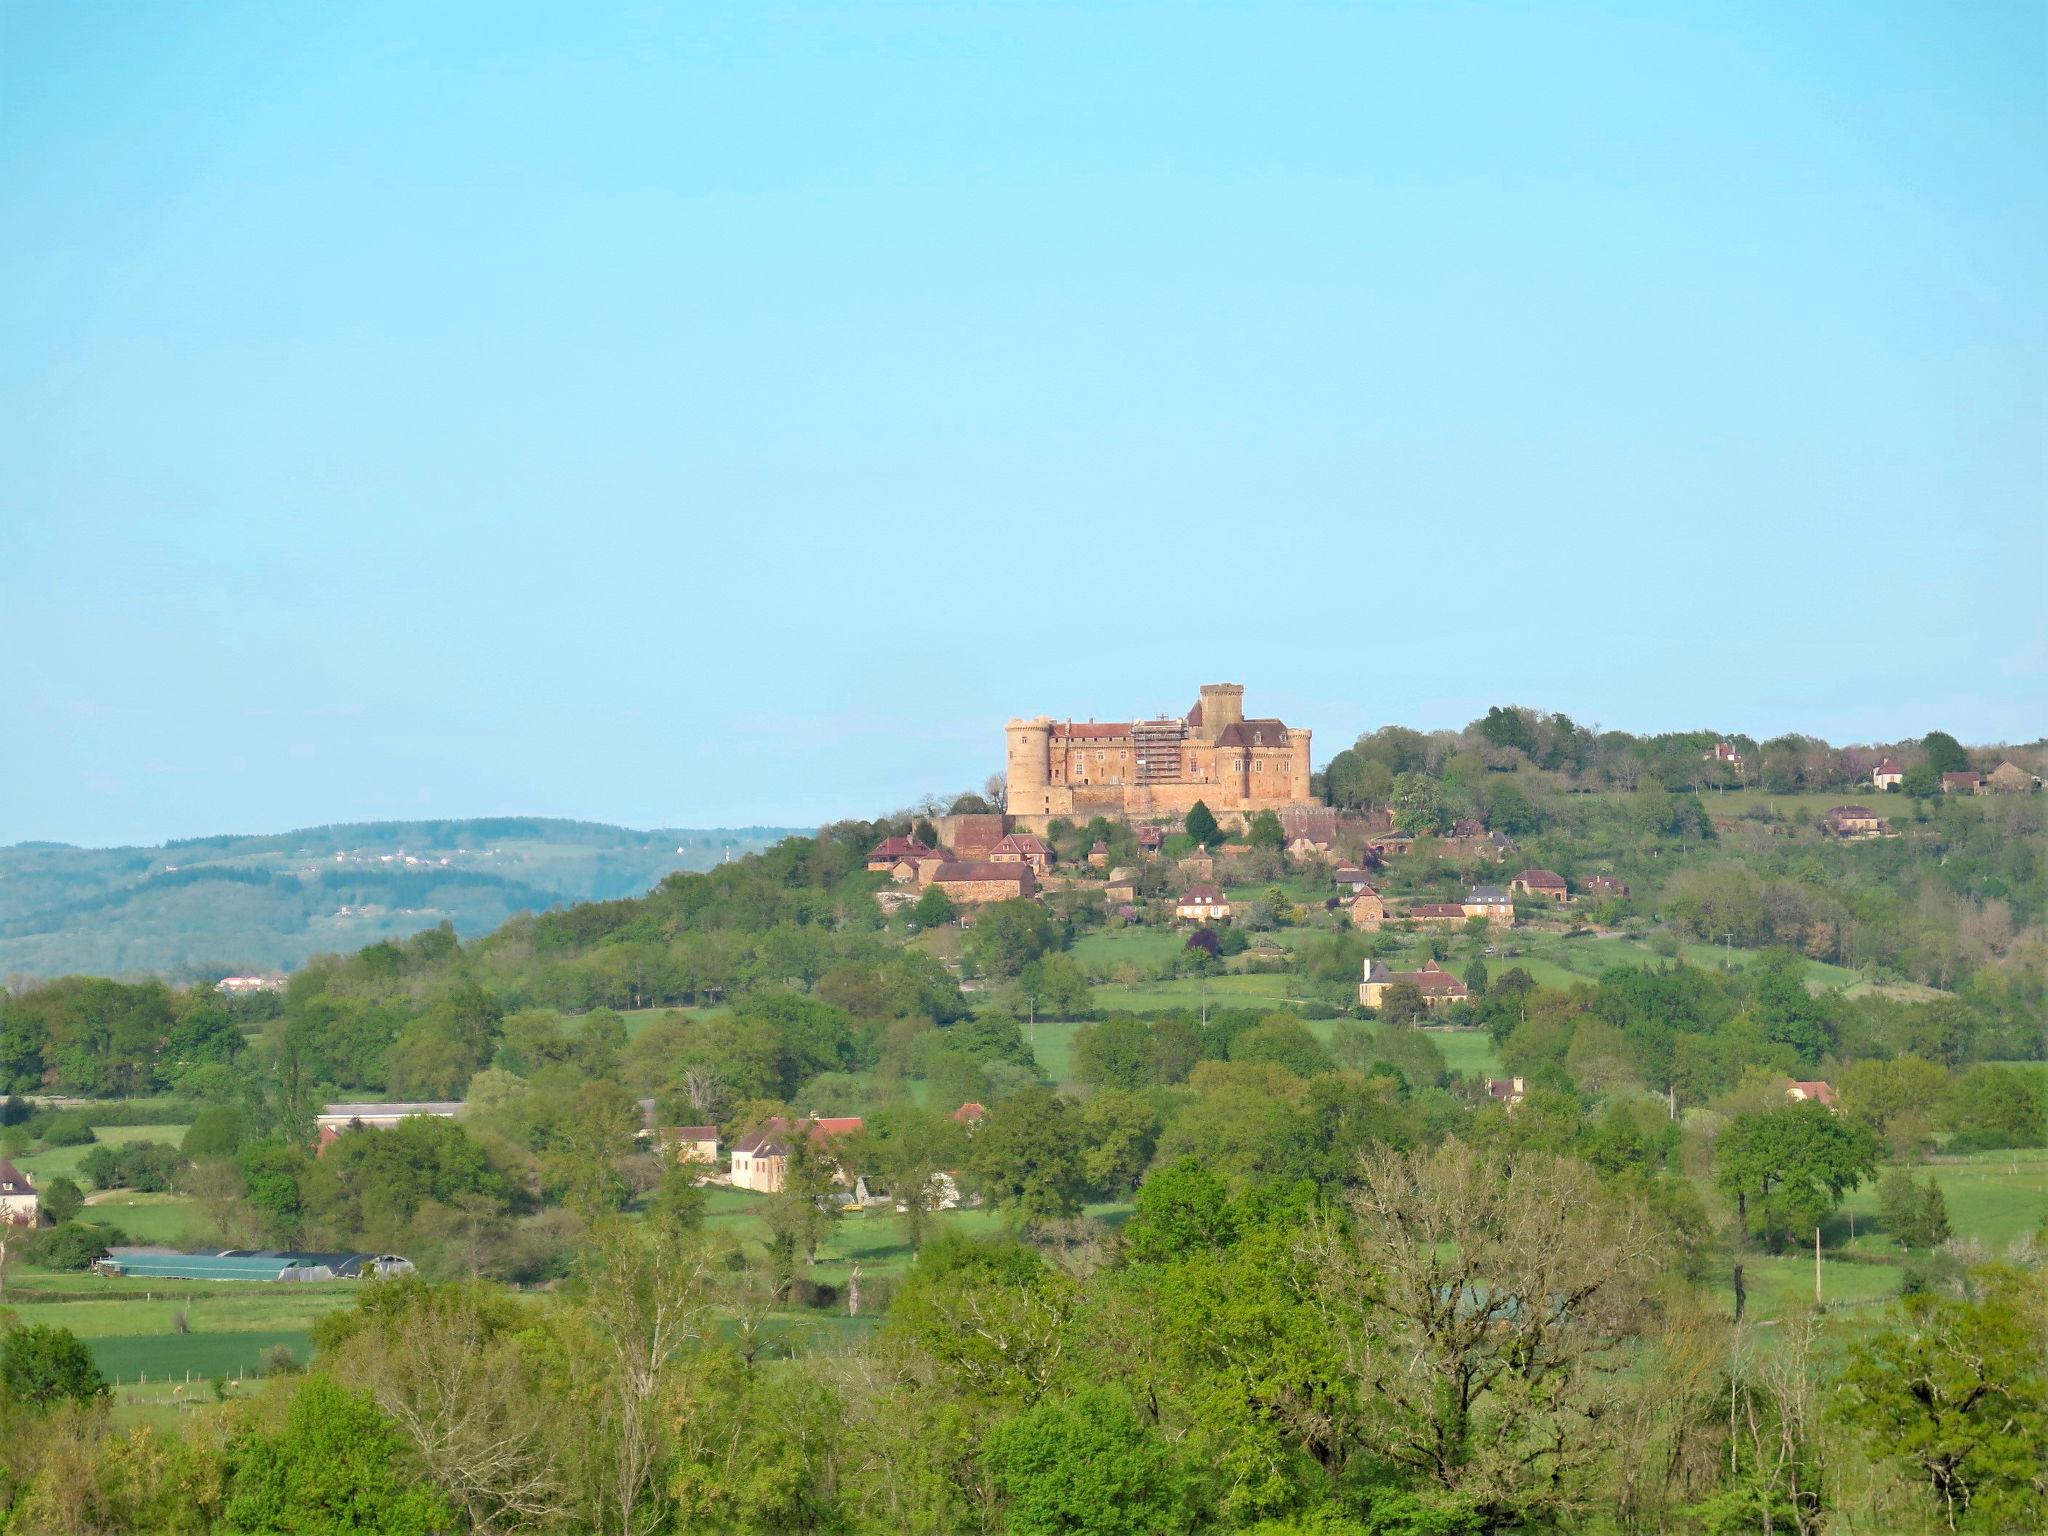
(1222, 705)
(1030, 766)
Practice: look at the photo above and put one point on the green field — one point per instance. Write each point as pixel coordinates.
(65, 1160)
(1994, 1197)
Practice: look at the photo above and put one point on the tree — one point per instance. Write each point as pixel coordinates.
(1915, 1214)
(2001, 1100)
(934, 909)
(1053, 984)
(41, 1365)
(1418, 804)
(648, 1291)
(1266, 832)
(335, 1466)
(62, 1199)
(216, 1131)
(1788, 1168)
(1401, 1003)
(1955, 1393)
(1089, 1465)
(1201, 825)
(1482, 1304)
(1027, 1153)
(72, 1246)
(1508, 727)
(1922, 781)
(1118, 1132)
(1944, 753)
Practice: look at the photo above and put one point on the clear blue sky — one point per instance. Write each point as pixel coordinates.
(722, 413)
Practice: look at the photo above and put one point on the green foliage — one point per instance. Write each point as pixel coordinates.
(1944, 753)
(1267, 832)
(71, 1245)
(933, 909)
(1955, 1395)
(41, 1366)
(335, 1467)
(62, 1199)
(1789, 1168)
(1028, 1155)
(218, 1131)
(1200, 824)
(1088, 1464)
(145, 1165)
(2002, 1100)
(1915, 1214)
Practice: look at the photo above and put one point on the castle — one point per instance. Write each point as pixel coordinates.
(1154, 768)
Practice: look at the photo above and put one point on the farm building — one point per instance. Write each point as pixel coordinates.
(252, 1264)
(337, 1118)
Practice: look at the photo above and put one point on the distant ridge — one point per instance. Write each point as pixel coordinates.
(199, 907)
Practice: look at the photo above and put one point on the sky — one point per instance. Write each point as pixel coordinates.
(731, 414)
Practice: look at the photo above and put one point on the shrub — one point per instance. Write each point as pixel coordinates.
(71, 1245)
(66, 1130)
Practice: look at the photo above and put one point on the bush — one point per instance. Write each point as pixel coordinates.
(70, 1245)
(1979, 1139)
(65, 1130)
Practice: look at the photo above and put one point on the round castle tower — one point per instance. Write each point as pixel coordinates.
(1029, 767)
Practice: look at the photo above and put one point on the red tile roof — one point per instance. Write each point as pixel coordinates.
(969, 1111)
(1540, 880)
(893, 848)
(1888, 765)
(1435, 909)
(1200, 893)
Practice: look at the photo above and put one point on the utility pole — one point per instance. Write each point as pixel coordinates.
(1816, 1266)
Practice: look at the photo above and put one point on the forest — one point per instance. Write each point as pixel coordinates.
(1165, 1232)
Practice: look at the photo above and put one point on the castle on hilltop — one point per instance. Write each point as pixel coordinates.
(1138, 768)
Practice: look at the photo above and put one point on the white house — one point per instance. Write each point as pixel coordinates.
(19, 1201)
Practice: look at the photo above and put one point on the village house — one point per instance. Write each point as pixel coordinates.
(1545, 883)
(760, 1159)
(19, 1200)
(1201, 903)
(1122, 885)
(1606, 885)
(2011, 779)
(1367, 909)
(1386, 844)
(1098, 854)
(892, 850)
(1962, 783)
(919, 872)
(1854, 822)
(972, 835)
(1438, 912)
(1505, 1090)
(1437, 985)
(1491, 903)
(337, 1118)
(972, 885)
(1888, 774)
(691, 1143)
(1310, 831)
(1725, 753)
(1023, 848)
(1352, 879)
(1201, 863)
(1815, 1092)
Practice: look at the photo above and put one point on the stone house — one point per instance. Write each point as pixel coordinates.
(2010, 779)
(1606, 885)
(1438, 987)
(1491, 903)
(691, 1143)
(1202, 903)
(1962, 783)
(1437, 912)
(1353, 879)
(1546, 883)
(1023, 848)
(1810, 1092)
(1367, 909)
(972, 885)
(1855, 821)
(1887, 774)
(1505, 1090)
(760, 1159)
(1098, 855)
(891, 850)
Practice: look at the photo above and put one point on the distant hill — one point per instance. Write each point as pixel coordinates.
(223, 905)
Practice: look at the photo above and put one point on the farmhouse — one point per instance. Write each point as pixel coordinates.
(19, 1201)
(1490, 902)
(1505, 1090)
(1353, 879)
(760, 1160)
(1151, 839)
(1201, 903)
(1855, 821)
(1814, 1092)
(1962, 783)
(336, 1118)
(1437, 985)
(1725, 752)
(1545, 883)
(1606, 885)
(1887, 774)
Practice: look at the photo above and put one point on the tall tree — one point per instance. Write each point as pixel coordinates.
(1201, 825)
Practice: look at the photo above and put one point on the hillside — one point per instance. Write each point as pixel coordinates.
(201, 906)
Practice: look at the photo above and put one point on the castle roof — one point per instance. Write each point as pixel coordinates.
(1248, 733)
(1093, 730)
